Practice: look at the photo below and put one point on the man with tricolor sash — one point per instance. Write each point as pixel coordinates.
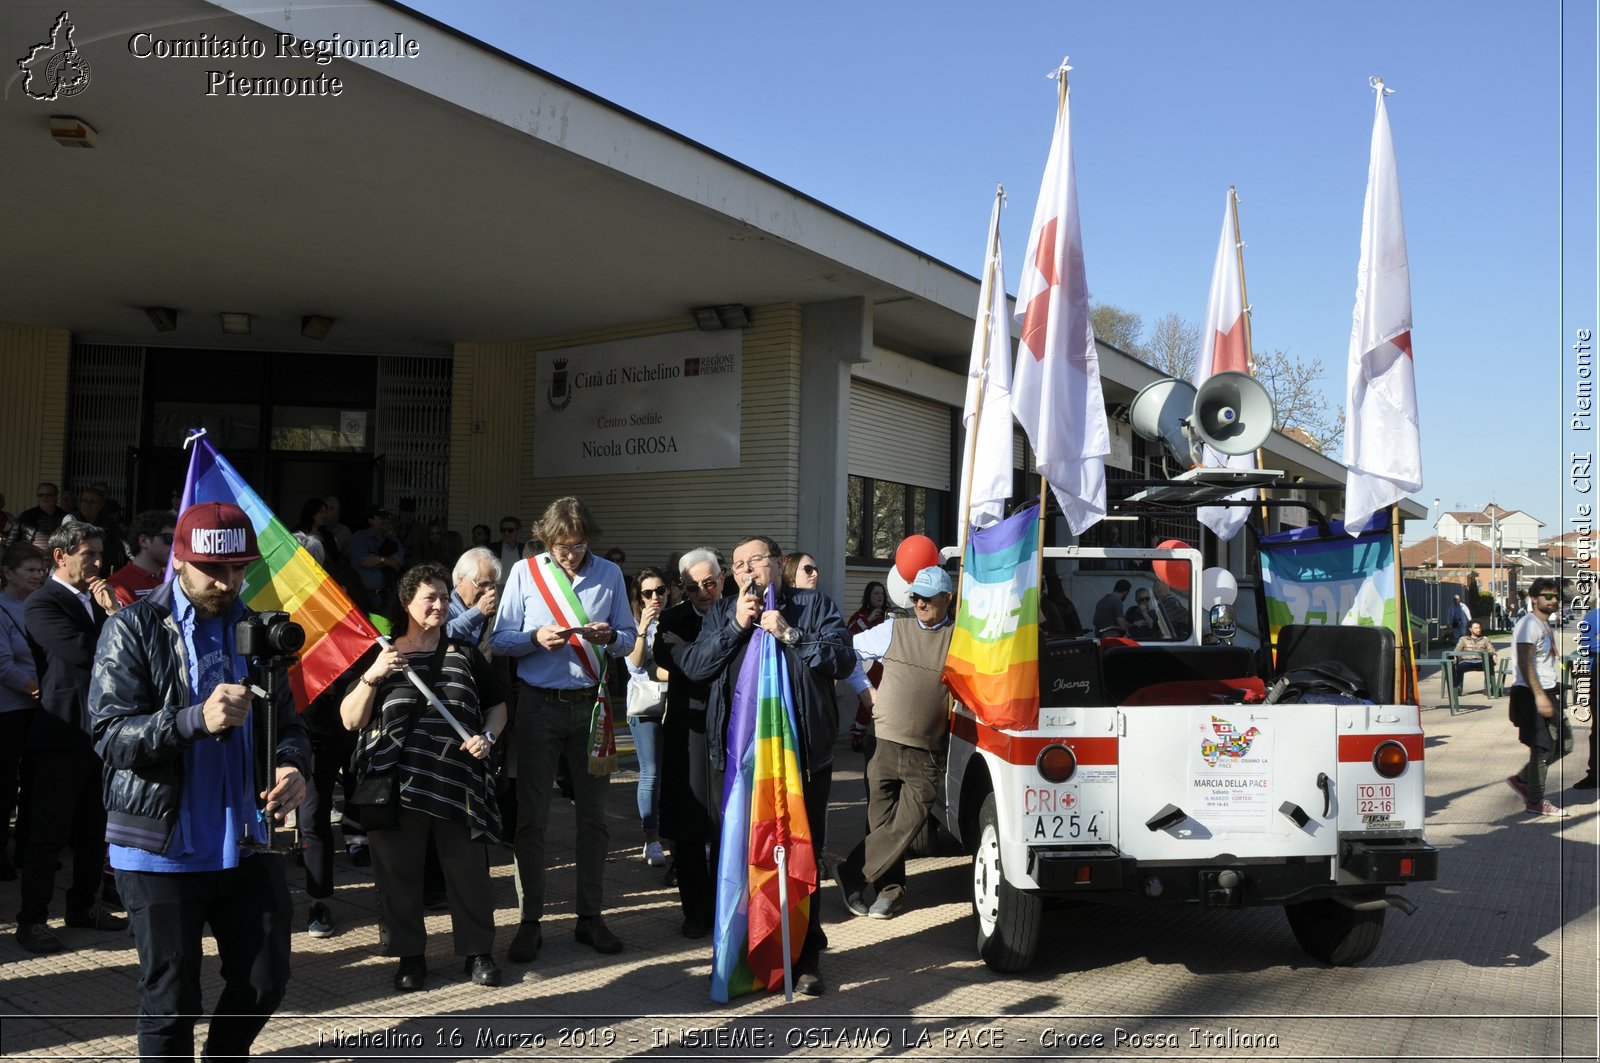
(562, 614)
(807, 650)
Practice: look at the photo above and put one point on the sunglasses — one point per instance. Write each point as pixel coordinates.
(1551, 596)
(167, 537)
(653, 592)
(507, 531)
(710, 583)
(810, 570)
(1142, 601)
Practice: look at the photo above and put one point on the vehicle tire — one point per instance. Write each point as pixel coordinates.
(1009, 920)
(1334, 934)
(926, 841)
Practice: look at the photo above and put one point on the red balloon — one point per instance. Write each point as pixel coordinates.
(1174, 574)
(915, 553)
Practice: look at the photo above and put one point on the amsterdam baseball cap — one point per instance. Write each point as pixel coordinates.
(930, 582)
(216, 532)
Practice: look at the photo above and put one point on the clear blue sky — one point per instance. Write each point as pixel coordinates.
(905, 114)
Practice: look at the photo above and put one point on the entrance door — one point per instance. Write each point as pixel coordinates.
(298, 478)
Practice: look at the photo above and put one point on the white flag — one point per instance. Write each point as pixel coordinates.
(1382, 441)
(986, 466)
(1223, 348)
(1056, 388)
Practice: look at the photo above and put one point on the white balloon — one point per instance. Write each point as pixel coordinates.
(1218, 587)
(899, 588)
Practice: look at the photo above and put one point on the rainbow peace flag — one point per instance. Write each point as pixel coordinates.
(286, 578)
(763, 807)
(993, 665)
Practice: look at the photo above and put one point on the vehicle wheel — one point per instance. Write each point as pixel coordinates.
(1009, 919)
(926, 841)
(1334, 934)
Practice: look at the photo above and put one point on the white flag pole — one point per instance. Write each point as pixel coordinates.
(432, 698)
(781, 856)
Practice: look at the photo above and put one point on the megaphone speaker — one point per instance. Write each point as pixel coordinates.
(1159, 410)
(1232, 413)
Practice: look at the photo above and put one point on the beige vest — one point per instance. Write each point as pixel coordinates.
(912, 704)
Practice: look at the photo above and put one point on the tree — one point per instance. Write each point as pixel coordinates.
(1117, 327)
(1174, 346)
(1298, 399)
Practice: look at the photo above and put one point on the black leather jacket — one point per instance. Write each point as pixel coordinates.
(140, 709)
(823, 654)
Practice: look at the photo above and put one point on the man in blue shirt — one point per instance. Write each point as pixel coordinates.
(554, 608)
(183, 746)
(476, 595)
(378, 558)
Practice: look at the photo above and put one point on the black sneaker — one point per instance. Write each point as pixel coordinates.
(96, 918)
(37, 939)
(852, 886)
(810, 984)
(1585, 783)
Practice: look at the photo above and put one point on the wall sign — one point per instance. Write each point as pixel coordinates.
(658, 404)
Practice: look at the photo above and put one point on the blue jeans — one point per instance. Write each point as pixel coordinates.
(647, 743)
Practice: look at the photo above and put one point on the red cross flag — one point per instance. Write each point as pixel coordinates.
(1382, 441)
(1225, 347)
(1055, 391)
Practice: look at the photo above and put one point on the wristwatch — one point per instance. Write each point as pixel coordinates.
(490, 737)
(791, 636)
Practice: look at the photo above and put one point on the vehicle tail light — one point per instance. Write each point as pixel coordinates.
(1057, 763)
(1390, 759)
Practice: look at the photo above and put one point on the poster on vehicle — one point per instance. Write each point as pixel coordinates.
(1313, 578)
(1230, 770)
(655, 404)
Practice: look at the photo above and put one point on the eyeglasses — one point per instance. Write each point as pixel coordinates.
(710, 583)
(810, 570)
(481, 584)
(568, 549)
(508, 530)
(746, 566)
(653, 592)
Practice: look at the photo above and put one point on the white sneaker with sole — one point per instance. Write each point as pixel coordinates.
(654, 855)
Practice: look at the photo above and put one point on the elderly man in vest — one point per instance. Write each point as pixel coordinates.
(909, 716)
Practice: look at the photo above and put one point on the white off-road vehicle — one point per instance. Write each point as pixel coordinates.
(1166, 770)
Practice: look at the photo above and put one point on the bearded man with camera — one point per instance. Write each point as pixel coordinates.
(203, 751)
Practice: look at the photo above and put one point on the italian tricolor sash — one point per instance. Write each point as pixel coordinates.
(563, 603)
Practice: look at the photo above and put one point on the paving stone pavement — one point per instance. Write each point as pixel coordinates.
(1498, 962)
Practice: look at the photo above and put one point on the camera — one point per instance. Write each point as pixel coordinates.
(270, 634)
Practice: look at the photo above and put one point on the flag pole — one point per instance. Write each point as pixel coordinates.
(987, 325)
(1060, 74)
(1249, 342)
(781, 856)
(1404, 661)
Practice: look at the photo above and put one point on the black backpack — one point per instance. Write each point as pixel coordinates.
(1324, 682)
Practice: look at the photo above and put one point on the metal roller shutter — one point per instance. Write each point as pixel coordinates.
(899, 437)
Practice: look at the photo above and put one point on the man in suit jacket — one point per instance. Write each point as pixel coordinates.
(64, 618)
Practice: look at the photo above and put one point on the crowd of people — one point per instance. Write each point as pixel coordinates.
(134, 732)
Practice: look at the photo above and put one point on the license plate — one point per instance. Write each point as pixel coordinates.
(1075, 826)
(1375, 799)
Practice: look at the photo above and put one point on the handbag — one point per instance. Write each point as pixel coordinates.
(646, 697)
(376, 796)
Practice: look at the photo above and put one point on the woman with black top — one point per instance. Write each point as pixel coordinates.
(446, 792)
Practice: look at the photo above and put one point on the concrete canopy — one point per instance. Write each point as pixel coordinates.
(459, 196)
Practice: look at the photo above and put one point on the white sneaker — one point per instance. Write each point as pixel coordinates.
(654, 855)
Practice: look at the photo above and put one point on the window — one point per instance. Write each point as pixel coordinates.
(880, 513)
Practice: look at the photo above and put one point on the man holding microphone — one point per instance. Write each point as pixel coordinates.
(191, 790)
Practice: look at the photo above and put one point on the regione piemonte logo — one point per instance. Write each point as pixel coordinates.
(55, 69)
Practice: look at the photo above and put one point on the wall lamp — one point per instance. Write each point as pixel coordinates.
(315, 326)
(729, 315)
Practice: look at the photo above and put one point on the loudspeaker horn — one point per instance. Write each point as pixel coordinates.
(1159, 412)
(1232, 413)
